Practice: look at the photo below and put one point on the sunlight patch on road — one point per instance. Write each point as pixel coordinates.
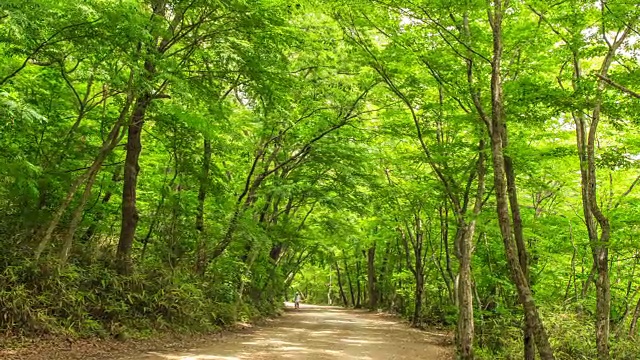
(341, 321)
(323, 333)
(360, 341)
(262, 342)
(195, 357)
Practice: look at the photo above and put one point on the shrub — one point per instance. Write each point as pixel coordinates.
(94, 300)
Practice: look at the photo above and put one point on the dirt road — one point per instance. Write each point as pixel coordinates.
(318, 332)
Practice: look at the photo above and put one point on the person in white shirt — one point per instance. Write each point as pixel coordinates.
(297, 300)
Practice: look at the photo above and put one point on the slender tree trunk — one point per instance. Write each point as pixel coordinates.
(587, 283)
(416, 319)
(464, 241)
(382, 279)
(529, 341)
(202, 194)
(444, 245)
(572, 275)
(77, 216)
(586, 150)
(634, 320)
(448, 262)
(498, 133)
(130, 214)
(371, 276)
(42, 245)
(358, 286)
(131, 168)
(418, 269)
(465, 293)
(108, 145)
(348, 275)
(342, 294)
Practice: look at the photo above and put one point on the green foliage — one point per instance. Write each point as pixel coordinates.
(39, 299)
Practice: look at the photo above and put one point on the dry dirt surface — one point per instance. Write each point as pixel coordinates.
(321, 332)
(313, 332)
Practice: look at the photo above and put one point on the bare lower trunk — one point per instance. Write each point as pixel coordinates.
(634, 320)
(603, 306)
(525, 296)
(131, 168)
(348, 275)
(202, 194)
(371, 276)
(342, 294)
(358, 285)
(416, 320)
(523, 258)
(382, 279)
(465, 333)
(498, 133)
(44, 242)
(76, 217)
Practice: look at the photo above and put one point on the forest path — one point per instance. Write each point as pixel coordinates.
(321, 332)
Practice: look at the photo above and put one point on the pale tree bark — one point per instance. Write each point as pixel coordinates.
(600, 247)
(498, 132)
(585, 140)
(464, 241)
(586, 134)
(523, 258)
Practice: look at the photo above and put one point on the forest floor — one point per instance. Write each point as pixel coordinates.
(313, 332)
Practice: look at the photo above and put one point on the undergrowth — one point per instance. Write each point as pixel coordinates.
(572, 337)
(41, 299)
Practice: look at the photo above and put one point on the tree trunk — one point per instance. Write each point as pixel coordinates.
(586, 151)
(523, 258)
(348, 275)
(444, 245)
(465, 294)
(416, 320)
(448, 263)
(131, 168)
(634, 320)
(342, 294)
(498, 132)
(358, 286)
(382, 280)
(202, 194)
(77, 216)
(371, 276)
(108, 145)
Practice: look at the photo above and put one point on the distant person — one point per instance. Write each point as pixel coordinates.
(297, 300)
